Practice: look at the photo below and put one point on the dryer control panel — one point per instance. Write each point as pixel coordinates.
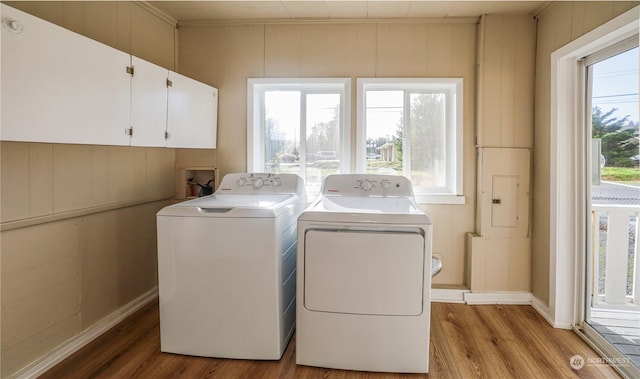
(367, 185)
(262, 182)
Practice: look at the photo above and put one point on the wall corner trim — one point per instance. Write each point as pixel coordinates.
(57, 355)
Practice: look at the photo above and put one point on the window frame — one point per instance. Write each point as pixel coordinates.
(452, 192)
(256, 87)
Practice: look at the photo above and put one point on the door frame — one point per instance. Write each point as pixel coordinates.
(567, 213)
(568, 176)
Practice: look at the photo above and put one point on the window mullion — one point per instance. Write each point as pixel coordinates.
(302, 149)
(261, 135)
(406, 135)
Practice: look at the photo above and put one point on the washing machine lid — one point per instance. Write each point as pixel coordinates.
(239, 200)
(234, 205)
(247, 195)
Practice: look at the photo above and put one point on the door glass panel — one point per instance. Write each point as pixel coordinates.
(613, 278)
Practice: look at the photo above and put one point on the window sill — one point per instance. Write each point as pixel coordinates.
(440, 199)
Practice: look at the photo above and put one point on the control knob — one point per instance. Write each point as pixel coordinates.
(365, 185)
(241, 182)
(259, 182)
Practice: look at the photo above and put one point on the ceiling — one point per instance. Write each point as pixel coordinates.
(233, 11)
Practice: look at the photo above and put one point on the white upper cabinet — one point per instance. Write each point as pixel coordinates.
(148, 103)
(192, 114)
(61, 87)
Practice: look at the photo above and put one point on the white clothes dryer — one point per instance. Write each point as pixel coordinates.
(226, 267)
(364, 277)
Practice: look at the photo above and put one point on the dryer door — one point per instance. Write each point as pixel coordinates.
(364, 272)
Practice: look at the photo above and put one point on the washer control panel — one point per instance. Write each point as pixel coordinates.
(263, 182)
(367, 185)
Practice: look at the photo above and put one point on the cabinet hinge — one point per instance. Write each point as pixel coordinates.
(130, 70)
(167, 135)
(169, 83)
(128, 132)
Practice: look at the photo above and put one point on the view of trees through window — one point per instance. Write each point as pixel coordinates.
(615, 120)
(404, 126)
(415, 145)
(316, 116)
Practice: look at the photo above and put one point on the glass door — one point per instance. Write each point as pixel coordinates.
(612, 279)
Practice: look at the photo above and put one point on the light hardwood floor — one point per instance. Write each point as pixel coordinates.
(480, 341)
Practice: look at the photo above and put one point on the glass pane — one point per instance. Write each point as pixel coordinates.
(612, 300)
(323, 138)
(282, 131)
(384, 111)
(427, 140)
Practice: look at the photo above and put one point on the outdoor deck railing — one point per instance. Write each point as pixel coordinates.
(615, 245)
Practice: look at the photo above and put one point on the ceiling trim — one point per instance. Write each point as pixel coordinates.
(439, 20)
(162, 15)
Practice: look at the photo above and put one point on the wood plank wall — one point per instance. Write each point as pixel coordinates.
(228, 54)
(78, 221)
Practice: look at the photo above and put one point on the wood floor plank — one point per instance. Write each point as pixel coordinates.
(480, 341)
(522, 354)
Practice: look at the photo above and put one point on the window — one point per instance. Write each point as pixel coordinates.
(299, 126)
(413, 127)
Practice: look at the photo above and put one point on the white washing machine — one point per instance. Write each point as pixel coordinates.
(226, 267)
(364, 277)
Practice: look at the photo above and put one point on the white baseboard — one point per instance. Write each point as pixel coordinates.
(543, 310)
(55, 356)
(464, 296)
(522, 298)
(448, 295)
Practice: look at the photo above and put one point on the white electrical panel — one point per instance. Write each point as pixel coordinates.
(503, 192)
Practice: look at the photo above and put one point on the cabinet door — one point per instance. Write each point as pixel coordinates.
(61, 87)
(192, 114)
(148, 103)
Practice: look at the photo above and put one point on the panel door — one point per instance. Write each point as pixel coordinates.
(61, 87)
(148, 103)
(192, 114)
(504, 201)
(364, 272)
